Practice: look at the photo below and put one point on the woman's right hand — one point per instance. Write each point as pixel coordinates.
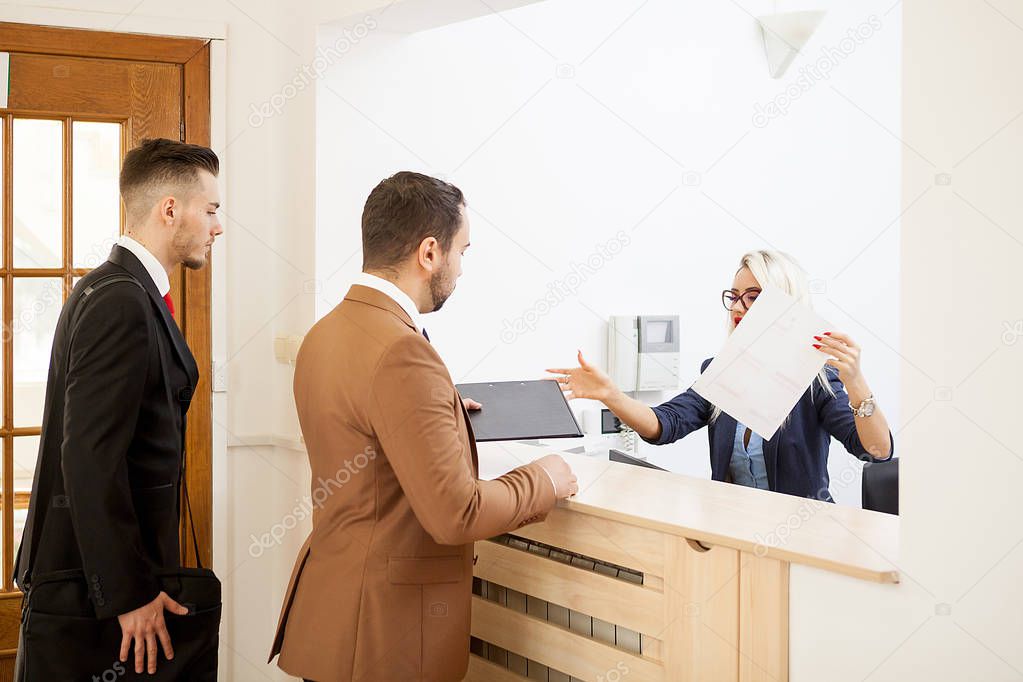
(584, 381)
(587, 381)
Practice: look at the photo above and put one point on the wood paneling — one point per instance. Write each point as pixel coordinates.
(702, 610)
(611, 599)
(556, 646)
(623, 544)
(854, 542)
(27, 38)
(69, 85)
(481, 669)
(197, 295)
(763, 619)
(156, 106)
(8, 609)
(10, 620)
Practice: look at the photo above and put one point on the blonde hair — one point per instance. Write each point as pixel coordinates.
(783, 271)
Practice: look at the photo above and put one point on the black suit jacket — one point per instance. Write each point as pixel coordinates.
(112, 442)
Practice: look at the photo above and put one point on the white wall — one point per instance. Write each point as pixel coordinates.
(957, 613)
(566, 122)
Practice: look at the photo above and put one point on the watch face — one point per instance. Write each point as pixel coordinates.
(867, 409)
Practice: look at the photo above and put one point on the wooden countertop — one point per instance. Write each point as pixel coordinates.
(855, 542)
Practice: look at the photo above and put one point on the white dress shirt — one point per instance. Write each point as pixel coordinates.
(392, 291)
(149, 262)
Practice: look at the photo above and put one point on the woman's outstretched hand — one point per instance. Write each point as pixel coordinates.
(584, 381)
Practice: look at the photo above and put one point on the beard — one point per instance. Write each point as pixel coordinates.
(441, 286)
(193, 263)
(185, 247)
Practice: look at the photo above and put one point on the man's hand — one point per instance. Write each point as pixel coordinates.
(565, 482)
(471, 404)
(145, 625)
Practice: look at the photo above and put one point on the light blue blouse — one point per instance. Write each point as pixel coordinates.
(747, 466)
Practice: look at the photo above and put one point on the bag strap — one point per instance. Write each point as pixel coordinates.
(188, 507)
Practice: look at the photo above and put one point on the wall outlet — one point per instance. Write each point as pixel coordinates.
(286, 349)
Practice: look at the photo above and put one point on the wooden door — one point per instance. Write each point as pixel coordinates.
(78, 100)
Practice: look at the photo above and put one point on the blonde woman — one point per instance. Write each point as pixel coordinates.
(838, 403)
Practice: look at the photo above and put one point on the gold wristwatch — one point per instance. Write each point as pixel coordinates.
(866, 408)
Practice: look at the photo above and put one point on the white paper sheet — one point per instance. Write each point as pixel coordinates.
(767, 363)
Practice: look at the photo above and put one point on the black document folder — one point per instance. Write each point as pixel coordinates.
(619, 456)
(520, 410)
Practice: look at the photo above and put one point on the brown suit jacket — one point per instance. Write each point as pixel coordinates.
(381, 589)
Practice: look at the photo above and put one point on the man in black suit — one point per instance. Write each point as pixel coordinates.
(105, 497)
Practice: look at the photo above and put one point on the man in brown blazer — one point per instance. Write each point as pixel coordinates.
(381, 590)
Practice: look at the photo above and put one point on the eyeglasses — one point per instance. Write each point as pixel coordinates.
(730, 296)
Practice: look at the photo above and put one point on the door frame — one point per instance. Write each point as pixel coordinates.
(202, 62)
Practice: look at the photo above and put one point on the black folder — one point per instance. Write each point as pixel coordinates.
(520, 410)
(619, 456)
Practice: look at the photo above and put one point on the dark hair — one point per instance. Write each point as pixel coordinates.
(402, 211)
(158, 163)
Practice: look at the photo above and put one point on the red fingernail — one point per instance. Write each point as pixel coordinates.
(818, 338)
(817, 346)
(827, 333)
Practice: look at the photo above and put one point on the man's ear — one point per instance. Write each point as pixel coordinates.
(169, 209)
(429, 253)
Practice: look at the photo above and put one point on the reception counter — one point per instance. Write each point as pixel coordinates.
(649, 575)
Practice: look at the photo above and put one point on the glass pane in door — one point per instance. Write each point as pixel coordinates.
(26, 450)
(37, 304)
(37, 185)
(96, 201)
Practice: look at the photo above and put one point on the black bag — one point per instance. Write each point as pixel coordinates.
(61, 640)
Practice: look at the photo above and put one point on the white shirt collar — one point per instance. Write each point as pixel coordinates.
(397, 295)
(149, 262)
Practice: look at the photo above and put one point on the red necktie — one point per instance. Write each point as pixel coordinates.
(170, 303)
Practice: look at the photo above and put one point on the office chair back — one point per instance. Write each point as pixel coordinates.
(881, 486)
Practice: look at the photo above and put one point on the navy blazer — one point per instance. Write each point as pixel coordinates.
(796, 456)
